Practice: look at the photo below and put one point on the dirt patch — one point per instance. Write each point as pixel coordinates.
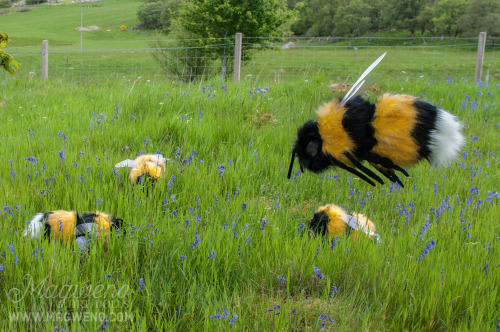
(89, 28)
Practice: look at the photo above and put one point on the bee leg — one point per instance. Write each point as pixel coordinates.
(388, 173)
(384, 162)
(353, 171)
(366, 170)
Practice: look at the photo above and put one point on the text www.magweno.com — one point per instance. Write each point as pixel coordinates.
(69, 316)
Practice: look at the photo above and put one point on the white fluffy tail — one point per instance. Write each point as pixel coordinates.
(446, 139)
(35, 227)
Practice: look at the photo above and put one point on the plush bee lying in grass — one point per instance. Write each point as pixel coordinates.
(147, 166)
(69, 225)
(334, 221)
(393, 134)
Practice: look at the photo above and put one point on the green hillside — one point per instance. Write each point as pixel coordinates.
(58, 22)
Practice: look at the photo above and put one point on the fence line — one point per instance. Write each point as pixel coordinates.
(278, 60)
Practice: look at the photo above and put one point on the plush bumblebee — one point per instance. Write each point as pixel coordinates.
(147, 166)
(335, 221)
(70, 225)
(395, 133)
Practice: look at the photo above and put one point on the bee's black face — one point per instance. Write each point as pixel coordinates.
(308, 148)
(319, 223)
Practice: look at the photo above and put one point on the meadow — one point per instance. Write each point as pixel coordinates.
(222, 242)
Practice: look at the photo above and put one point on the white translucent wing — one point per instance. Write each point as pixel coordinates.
(127, 163)
(162, 159)
(359, 225)
(356, 88)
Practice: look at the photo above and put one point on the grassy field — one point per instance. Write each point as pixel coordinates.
(220, 243)
(58, 23)
(109, 52)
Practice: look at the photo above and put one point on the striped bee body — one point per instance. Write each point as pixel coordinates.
(331, 220)
(70, 225)
(145, 167)
(393, 134)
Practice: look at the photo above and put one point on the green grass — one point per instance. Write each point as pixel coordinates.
(380, 286)
(57, 23)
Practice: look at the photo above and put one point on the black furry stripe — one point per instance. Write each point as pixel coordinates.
(46, 233)
(319, 223)
(348, 230)
(426, 121)
(357, 122)
(86, 218)
(116, 223)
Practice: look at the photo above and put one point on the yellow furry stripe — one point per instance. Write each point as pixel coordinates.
(146, 167)
(150, 157)
(147, 164)
(103, 224)
(395, 118)
(336, 226)
(62, 224)
(336, 140)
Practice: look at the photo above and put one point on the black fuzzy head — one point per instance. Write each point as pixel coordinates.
(308, 148)
(319, 223)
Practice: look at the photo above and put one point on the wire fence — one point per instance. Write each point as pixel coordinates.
(263, 58)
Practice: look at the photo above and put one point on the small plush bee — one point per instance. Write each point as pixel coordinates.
(395, 133)
(147, 166)
(335, 221)
(70, 225)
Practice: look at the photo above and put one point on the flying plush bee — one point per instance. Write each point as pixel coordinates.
(393, 134)
(147, 166)
(70, 225)
(335, 221)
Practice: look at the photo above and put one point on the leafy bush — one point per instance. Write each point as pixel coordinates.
(35, 2)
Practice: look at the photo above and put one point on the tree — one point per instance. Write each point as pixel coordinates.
(352, 19)
(212, 21)
(6, 60)
(158, 14)
(446, 16)
(424, 19)
(481, 15)
(406, 13)
(315, 17)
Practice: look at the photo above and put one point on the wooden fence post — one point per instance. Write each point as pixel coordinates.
(480, 55)
(237, 57)
(45, 58)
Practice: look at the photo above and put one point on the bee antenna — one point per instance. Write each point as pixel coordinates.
(291, 165)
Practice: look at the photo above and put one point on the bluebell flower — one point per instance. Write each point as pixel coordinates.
(318, 273)
(233, 319)
(334, 242)
(333, 289)
(243, 206)
(211, 256)
(486, 268)
(221, 169)
(301, 227)
(263, 224)
(225, 313)
(105, 324)
(141, 283)
(196, 241)
(216, 316)
(281, 279)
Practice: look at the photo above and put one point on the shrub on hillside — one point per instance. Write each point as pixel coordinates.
(35, 2)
